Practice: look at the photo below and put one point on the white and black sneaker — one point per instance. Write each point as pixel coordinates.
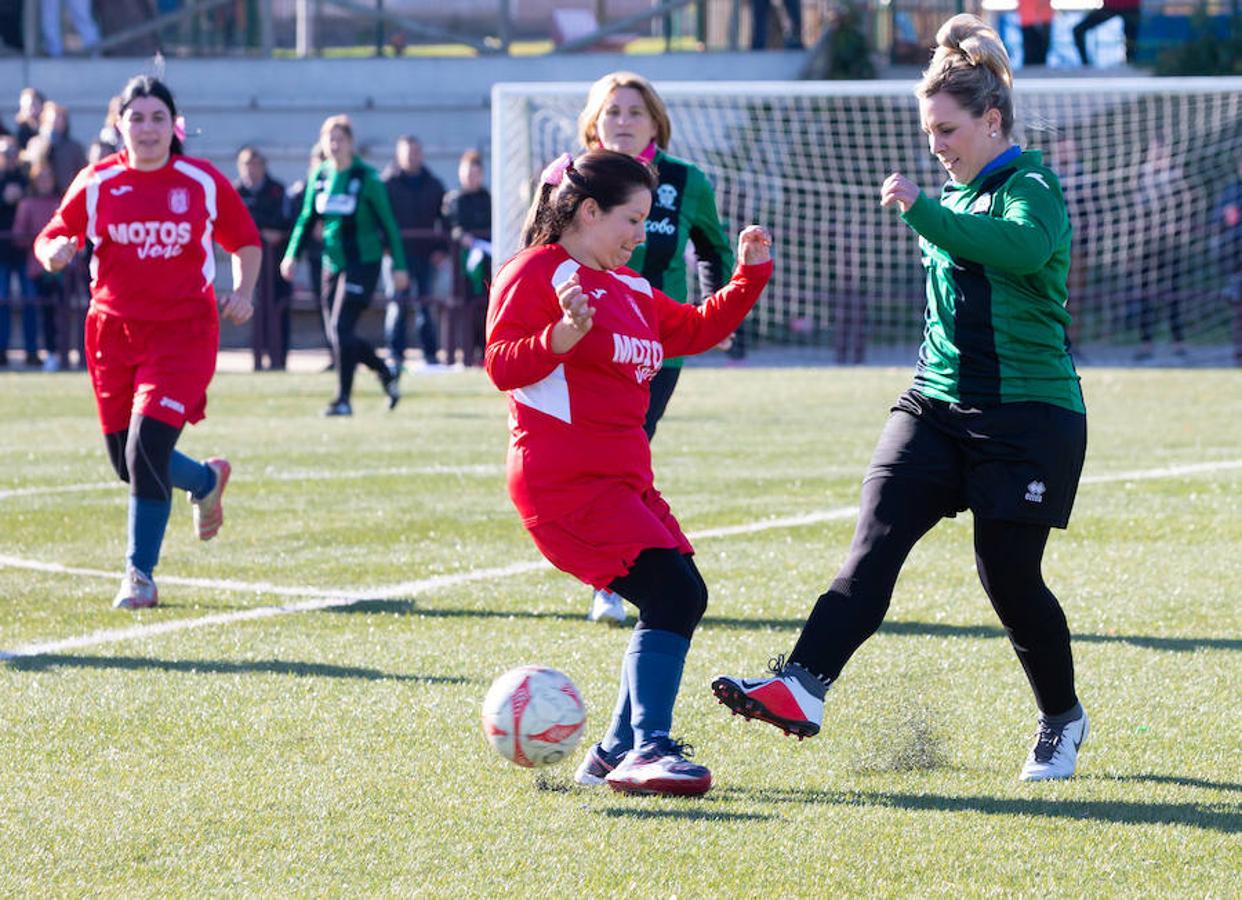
(1055, 752)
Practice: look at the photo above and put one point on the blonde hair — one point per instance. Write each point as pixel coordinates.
(597, 99)
(971, 65)
(342, 122)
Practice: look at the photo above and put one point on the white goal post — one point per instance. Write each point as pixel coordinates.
(1145, 164)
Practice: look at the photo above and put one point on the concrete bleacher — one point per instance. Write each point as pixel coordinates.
(279, 104)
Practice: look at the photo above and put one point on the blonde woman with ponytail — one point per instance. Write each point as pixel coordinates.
(994, 422)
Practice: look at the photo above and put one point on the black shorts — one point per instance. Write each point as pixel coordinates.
(1016, 462)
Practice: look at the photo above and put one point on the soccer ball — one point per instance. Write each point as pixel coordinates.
(533, 716)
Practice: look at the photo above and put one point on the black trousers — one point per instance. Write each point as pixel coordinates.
(1035, 42)
(350, 291)
(894, 513)
(1131, 19)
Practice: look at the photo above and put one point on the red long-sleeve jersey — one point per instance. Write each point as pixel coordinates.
(576, 419)
(152, 234)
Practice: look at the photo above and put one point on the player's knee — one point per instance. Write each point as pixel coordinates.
(148, 455)
(696, 604)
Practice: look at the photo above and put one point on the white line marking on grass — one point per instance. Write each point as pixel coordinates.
(324, 600)
(328, 599)
(828, 515)
(1166, 472)
(38, 491)
(482, 470)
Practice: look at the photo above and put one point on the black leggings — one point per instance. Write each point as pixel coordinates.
(142, 456)
(1131, 19)
(662, 387)
(894, 513)
(349, 292)
(668, 590)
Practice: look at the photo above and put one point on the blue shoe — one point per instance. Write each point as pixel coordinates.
(596, 766)
(660, 767)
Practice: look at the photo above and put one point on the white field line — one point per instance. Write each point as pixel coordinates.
(1165, 472)
(328, 599)
(273, 475)
(488, 470)
(323, 600)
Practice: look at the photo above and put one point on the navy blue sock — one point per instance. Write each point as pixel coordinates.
(620, 736)
(191, 475)
(653, 665)
(147, 521)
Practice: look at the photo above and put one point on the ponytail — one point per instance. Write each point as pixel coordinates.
(971, 65)
(607, 177)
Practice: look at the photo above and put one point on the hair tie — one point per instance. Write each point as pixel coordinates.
(555, 172)
(179, 127)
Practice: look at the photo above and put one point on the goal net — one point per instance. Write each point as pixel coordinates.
(1147, 166)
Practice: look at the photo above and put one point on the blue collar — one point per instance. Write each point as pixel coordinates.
(1004, 159)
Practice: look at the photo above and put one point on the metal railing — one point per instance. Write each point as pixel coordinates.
(266, 28)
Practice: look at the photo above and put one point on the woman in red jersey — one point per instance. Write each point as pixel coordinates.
(575, 338)
(152, 332)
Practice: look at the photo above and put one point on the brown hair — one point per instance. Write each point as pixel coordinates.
(971, 65)
(148, 86)
(605, 176)
(597, 99)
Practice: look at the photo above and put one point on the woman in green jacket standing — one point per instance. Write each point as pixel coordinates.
(348, 196)
(624, 113)
(994, 423)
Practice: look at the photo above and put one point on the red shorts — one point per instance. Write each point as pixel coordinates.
(156, 369)
(599, 542)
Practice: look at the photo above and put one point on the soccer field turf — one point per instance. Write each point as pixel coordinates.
(333, 746)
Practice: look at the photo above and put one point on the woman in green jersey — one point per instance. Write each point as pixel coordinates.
(994, 422)
(348, 196)
(624, 113)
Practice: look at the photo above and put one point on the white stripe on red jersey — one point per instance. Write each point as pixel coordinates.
(152, 234)
(576, 419)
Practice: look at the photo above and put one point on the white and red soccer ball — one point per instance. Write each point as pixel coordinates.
(533, 716)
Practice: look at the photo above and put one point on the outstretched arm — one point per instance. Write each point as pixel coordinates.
(686, 329)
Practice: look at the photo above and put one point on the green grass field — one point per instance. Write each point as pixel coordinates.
(337, 751)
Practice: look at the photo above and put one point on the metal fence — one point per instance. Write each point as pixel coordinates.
(266, 28)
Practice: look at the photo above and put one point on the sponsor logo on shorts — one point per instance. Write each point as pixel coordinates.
(173, 405)
(1035, 492)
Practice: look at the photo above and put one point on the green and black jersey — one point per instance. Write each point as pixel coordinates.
(357, 218)
(683, 208)
(997, 254)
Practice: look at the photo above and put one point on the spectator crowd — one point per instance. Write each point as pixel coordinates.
(445, 234)
(446, 239)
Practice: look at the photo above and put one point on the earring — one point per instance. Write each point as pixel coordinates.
(993, 134)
